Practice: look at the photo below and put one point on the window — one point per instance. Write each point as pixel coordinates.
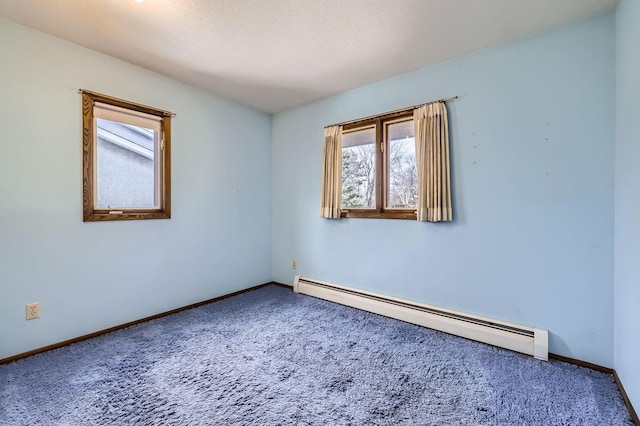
(379, 171)
(394, 165)
(126, 160)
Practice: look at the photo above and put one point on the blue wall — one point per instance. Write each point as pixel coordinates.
(89, 276)
(532, 152)
(627, 198)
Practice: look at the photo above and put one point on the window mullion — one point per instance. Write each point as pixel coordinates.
(379, 167)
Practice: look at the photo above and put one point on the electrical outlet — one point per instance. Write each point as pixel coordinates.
(33, 310)
(294, 265)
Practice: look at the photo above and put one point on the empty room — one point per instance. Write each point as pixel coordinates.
(301, 212)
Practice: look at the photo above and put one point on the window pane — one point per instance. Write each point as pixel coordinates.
(402, 191)
(126, 168)
(359, 169)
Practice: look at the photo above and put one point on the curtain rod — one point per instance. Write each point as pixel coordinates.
(392, 112)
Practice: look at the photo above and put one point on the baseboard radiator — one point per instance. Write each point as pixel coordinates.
(528, 340)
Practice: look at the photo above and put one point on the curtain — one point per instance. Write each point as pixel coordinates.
(432, 156)
(331, 173)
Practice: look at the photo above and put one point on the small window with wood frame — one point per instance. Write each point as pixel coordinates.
(379, 170)
(126, 151)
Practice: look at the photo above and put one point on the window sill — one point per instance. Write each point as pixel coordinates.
(370, 214)
(105, 216)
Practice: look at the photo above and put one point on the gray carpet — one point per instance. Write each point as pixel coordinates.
(271, 357)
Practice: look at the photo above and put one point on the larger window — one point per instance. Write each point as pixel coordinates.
(126, 160)
(379, 171)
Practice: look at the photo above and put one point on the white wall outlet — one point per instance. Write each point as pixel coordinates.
(33, 310)
(294, 264)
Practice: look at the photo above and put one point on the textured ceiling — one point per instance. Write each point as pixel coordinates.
(278, 54)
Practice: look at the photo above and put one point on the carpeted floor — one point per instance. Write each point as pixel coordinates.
(272, 357)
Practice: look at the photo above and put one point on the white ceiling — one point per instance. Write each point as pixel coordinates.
(278, 54)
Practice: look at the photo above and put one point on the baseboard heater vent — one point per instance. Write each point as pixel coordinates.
(528, 340)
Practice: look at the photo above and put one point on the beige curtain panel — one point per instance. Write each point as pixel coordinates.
(331, 173)
(432, 156)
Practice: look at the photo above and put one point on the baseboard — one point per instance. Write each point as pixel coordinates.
(627, 401)
(129, 324)
(600, 368)
(606, 370)
(287, 286)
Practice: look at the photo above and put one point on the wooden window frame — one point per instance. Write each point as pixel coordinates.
(380, 211)
(90, 212)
